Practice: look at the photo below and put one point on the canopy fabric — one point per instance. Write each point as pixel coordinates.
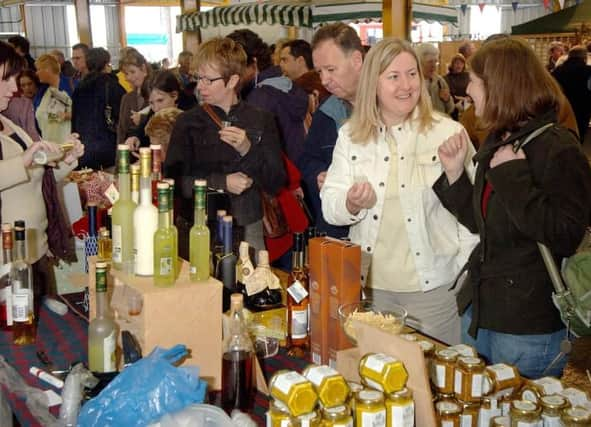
(565, 21)
(305, 15)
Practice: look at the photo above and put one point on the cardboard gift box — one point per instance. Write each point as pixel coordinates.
(187, 313)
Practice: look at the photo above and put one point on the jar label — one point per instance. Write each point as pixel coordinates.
(440, 376)
(502, 371)
(348, 423)
(403, 416)
(317, 374)
(458, 382)
(373, 419)
(549, 421)
(465, 420)
(549, 385)
(286, 381)
(376, 362)
(529, 424)
(477, 380)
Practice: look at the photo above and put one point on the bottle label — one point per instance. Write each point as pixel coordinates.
(299, 324)
(165, 266)
(109, 344)
(285, 382)
(373, 419)
(297, 291)
(117, 244)
(8, 308)
(403, 416)
(20, 305)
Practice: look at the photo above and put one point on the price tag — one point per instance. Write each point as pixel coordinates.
(297, 291)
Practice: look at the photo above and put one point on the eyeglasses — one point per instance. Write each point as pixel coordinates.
(206, 80)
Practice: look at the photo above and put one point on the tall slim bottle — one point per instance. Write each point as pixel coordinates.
(102, 330)
(91, 240)
(5, 284)
(176, 262)
(218, 244)
(156, 170)
(122, 216)
(237, 361)
(226, 269)
(135, 182)
(298, 340)
(145, 220)
(23, 314)
(199, 236)
(165, 250)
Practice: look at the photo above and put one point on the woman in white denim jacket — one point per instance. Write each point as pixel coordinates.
(379, 183)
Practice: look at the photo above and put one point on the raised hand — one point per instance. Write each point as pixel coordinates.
(452, 154)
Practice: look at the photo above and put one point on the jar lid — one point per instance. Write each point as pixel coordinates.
(336, 412)
(279, 406)
(524, 407)
(404, 393)
(553, 401)
(576, 414)
(447, 354)
(471, 362)
(503, 421)
(426, 345)
(370, 396)
(354, 387)
(447, 407)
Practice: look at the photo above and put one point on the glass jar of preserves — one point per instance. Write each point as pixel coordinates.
(330, 386)
(354, 389)
(278, 415)
(443, 368)
(382, 372)
(369, 409)
(339, 416)
(294, 391)
(525, 414)
(576, 417)
(464, 350)
(448, 413)
(489, 408)
(501, 379)
(469, 376)
(311, 419)
(502, 421)
(400, 409)
(552, 405)
(505, 404)
(534, 390)
(469, 415)
(575, 396)
(428, 348)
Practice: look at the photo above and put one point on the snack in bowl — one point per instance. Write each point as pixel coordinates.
(391, 320)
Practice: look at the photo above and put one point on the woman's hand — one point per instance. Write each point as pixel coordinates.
(237, 182)
(505, 154)
(361, 195)
(134, 144)
(452, 154)
(48, 147)
(76, 151)
(236, 138)
(135, 117)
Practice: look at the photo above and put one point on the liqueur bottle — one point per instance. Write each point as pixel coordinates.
(91, 241)
(237, 361)
(5, 283)
(145, 220)
(226, 268)
(218, 244)
(175, 262)
(105, 245)
(165, 249)
(262, 287)
(102, 330)
(297, 301)
(135, 182)
(21, 276)
(156, 150)
(199, 236)
(122, 216)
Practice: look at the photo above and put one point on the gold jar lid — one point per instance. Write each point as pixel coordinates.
(553, 401)
(447, 355)
(524, 407)
(404, 393)
(576, 415)
(501, 421)
(448, 407)
(426, 346)
(408, 337)
(354, 387)
(471, 362)
(276, 405)
(370, 396)
(335, 413)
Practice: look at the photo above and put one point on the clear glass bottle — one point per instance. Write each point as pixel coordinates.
(176, 262)
(156, 151)
(135, 182)
(525, 414)
(21, 277)
(238, 381)
(165, 250)
(294, 391)
(102, 330)
(382, 372)
(298, 301)
(5, 284)
(145, 219)
(122, 215)
(105, 245)
(199, 236)
(370, 410)
(331, 387)
(400, 409)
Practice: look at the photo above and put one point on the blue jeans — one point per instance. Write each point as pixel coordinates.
(531, 354)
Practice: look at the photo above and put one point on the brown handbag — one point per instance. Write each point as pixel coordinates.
(274, 222)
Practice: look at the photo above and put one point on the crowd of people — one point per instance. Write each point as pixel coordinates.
(417, 168)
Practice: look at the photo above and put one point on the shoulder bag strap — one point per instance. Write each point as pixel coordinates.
(216, 119)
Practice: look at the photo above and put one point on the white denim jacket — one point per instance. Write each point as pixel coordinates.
(440, 244)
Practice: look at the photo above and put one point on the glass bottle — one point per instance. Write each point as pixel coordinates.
(226, 268)
(237, 361)
(218, 244)
(175, 262)
(122, 216)
(105, 245)
(21, 277)
(145, 220)
(310, 234)
(298, 339)
(156, 150)
(165, 250)
(5, 284)
(91, 240)
(102, 330)
(135, 182)
(199, 236)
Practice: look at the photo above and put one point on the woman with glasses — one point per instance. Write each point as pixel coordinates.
(242, 158)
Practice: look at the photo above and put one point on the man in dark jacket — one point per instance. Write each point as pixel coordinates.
(338, 55)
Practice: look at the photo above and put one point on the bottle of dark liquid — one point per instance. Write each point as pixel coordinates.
(237, 361)
(298, 339)
(226, 268)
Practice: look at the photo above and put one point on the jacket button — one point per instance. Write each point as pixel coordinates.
(375, 217)
(409, 220)
(510, 282)
(400, 128)
(426, 282)
(434, 158)
(386, 158)
(401, 157)
(353, 157)
(369, 249)
(417, 253)
(402, 186)
(381, 184)
(362, 277)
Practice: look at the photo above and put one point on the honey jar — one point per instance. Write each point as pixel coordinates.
(330, 386)
(502, 421)
(294, 391)
(501, 379)
(448, 413)
(575, 396)
(311, 419)
(534, 390)
(443, 368)
(552, 405)
(369, 409)
(278, 415)
(400, 409)
(339, 416)
(354, 389)
(489, 408)
(382, 372)
(469, 376)
(464, 350)
(505, 404)
(469, 415)
(576, 417)
(525, 414)
(428, 352)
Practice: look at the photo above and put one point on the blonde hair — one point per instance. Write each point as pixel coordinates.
(162, 122)
(48, 61)
(225, 54)
(366, 118)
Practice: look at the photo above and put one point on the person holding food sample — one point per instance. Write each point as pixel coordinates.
(379, 183)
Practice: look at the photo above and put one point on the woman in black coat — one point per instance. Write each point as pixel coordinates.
(95, 111)
(541, 193)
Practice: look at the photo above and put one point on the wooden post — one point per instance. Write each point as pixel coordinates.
(191, 39)
(397, 18)
(83, 21)
(122, 29)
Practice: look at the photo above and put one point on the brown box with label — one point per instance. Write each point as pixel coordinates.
(335, 279)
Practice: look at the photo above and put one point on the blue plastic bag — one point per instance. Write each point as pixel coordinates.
(145, 391)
